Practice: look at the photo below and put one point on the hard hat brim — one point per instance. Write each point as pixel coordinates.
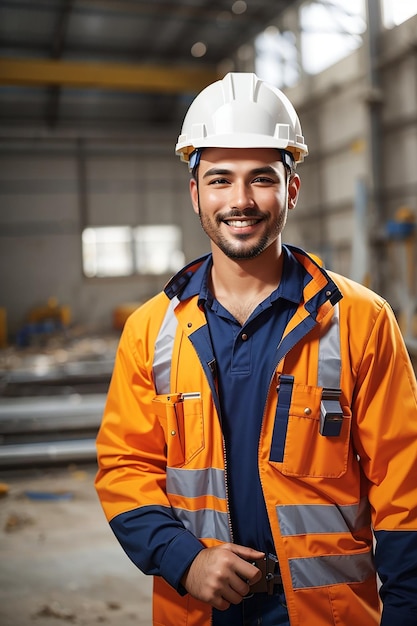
(249, 140)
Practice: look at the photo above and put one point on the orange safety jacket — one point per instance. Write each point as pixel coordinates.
(337, 454)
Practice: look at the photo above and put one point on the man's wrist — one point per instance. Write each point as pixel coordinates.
(182, 550)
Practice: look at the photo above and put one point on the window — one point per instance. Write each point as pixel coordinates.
(123, 250)
(277, 57)
(397, 11)
(158, 249)
(107, 251)
(328, 31)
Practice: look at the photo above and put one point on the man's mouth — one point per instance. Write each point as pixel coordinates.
(241, 223)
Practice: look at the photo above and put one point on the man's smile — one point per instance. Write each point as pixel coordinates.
(239, 223)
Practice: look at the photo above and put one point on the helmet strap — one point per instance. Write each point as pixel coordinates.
(194, 160)
(288, 160)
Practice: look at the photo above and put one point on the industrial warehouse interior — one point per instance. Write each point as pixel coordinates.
(95, 217)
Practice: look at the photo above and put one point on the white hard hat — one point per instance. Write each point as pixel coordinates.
(241, 111)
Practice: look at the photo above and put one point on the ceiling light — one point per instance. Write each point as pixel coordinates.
(199, 49)
(239, 7)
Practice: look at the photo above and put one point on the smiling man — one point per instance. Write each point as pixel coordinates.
(258, 450)
(249, 194)
(242, 198)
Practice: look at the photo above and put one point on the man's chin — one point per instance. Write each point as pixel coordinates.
(242, 255)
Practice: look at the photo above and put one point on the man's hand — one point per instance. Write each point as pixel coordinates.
(222, 575)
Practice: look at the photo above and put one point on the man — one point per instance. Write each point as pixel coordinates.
(260, 433)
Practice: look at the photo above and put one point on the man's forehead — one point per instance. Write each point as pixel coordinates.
(216, 156)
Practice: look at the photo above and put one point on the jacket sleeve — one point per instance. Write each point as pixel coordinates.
(385, 433)
(131, 477)
(396, 563)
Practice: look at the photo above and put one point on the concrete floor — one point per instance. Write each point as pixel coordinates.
(59, 561)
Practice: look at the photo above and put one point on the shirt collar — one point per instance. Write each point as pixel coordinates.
(293, 280)
(198, 283)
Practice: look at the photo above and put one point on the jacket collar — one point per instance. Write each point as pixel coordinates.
(317, 285)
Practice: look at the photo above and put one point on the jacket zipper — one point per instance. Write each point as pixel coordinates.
(226, 486)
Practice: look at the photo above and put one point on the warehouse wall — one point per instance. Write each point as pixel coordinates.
(52, 183)
(337, 183)
(52, 188)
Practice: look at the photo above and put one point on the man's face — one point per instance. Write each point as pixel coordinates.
(242, 199)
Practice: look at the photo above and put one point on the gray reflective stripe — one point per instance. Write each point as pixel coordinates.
(320, 571)
(163, 350)
(205, 523)
(322, 518)
(329, 355)
(196, 483)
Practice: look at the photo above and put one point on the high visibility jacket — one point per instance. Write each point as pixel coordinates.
(337, 454)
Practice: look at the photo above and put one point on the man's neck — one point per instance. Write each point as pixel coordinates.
(240, 285)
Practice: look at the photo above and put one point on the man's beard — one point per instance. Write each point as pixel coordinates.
(237, 252)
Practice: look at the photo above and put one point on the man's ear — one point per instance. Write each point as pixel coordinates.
(293, 190)
(194, 194)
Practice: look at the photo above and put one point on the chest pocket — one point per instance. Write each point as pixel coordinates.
(312, 431)
(297, 444)
(181, 418)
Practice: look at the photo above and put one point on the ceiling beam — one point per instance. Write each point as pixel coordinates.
(118, 77)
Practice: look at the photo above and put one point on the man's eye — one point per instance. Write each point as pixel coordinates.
(264, 180)
(219, 181)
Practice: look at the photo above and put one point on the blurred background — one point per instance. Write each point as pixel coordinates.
(95, 212)
(95, 216)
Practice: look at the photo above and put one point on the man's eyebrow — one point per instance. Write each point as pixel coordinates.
(217, 171)
(266, 169)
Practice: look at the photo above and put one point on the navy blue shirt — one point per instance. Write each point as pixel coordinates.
(246, 361)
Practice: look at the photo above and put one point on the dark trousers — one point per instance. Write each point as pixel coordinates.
(258, 610)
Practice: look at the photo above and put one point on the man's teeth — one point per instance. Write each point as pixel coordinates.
(241, 223)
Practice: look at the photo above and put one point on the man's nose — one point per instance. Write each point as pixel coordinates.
(241, 196)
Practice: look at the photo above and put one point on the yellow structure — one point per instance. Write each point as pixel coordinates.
(52, 310)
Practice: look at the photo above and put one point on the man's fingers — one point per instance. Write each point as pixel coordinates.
(232, 596)
(221, 575)
(240, 585)
(255, 577)
(244, 566)
(248, 554)
(221, 604)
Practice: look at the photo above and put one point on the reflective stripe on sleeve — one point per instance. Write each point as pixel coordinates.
(196, 483)
(205, 523)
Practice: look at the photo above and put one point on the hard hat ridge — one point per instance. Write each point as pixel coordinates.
(241, 111)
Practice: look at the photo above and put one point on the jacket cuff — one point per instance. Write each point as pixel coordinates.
(178, 557)
(392, 615)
